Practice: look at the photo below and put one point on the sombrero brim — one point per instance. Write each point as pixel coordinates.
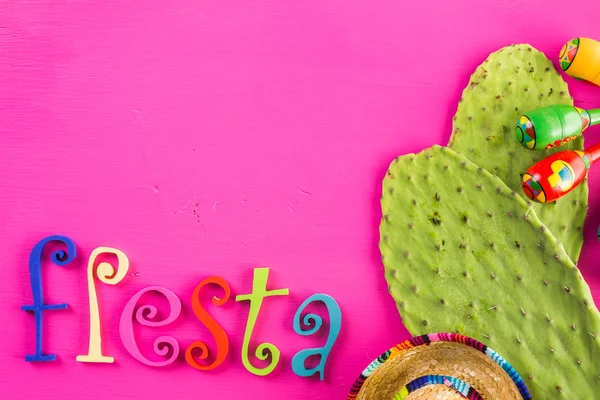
(439, 366)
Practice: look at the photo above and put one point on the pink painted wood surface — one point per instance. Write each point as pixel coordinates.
(209, 137)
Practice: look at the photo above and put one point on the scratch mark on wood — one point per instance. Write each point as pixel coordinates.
(186, 205)
(195, 212)
(138, 117)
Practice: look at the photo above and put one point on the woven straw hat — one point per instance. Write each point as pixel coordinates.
(440, 366)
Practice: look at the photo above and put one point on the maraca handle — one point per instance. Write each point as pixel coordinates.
(594, 116)
(593, 153)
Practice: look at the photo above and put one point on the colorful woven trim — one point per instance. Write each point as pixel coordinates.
(425, 340)
(467, 391)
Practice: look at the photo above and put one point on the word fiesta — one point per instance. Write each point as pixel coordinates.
(167, 347)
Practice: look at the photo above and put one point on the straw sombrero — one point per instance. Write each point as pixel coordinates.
(439, 366)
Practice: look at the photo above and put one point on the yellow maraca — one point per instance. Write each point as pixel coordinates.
(580, 59)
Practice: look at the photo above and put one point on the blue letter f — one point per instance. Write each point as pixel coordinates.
(60, 258)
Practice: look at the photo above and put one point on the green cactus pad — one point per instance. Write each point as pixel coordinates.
(510, 82)
(463, 252)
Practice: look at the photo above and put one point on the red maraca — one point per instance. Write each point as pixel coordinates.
(558, 174)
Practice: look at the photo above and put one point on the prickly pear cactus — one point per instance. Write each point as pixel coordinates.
(510, 82)
(463, 252)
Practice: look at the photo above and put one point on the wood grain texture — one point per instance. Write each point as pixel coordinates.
(209, 138)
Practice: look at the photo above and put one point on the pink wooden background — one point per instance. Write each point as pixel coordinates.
(212, 137)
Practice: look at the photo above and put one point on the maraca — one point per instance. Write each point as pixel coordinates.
(580, 59)
(558, 174)
(554, 126)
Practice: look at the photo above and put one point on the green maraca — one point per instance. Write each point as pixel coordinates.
(553, 126)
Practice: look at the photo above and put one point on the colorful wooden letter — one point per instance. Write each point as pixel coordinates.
(106, 273)
(60, 258)
(163, 343)
(335, 323)
(213, 326)
(259, 292)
